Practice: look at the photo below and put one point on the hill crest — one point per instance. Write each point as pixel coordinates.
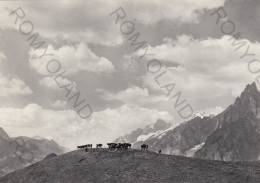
(103, 165)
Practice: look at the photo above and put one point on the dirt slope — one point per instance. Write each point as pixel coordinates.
(102, 165)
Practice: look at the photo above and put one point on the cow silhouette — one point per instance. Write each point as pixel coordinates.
(123, 146)
(144, 146)
(81, 147)
(99, 145)
(119, 146)
(89, 145)
(127, 145)
(84, 146)
(112, 145)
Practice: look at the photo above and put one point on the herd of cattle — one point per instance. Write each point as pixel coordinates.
(117, 146)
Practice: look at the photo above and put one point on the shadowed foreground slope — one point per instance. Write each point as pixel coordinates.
(102, 165)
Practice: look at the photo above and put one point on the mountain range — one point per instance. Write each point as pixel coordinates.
(144, 133)
(19, 152)
(232, 135)
(213, 145)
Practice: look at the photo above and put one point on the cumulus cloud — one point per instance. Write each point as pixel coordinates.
(126, 118)
(13, 86)
(72, 59)
(150, 12)
(208, 69)
(133, 95)
(50, 83)
(71, 20)
(90, 21)
(68, 129)
(129, 63)
(5, 19)
(59, 104)
(2, 57)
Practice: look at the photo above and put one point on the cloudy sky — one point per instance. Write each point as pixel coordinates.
(124, 87)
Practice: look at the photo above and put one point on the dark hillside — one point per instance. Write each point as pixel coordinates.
(102, 165)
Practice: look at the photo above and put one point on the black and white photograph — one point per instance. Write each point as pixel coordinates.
(129, 91)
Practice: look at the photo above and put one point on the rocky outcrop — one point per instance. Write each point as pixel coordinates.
(237, 137)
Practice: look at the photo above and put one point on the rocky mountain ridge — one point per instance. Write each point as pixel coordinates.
(19, 152)
(232, 135)
(180, 140)
(159, 126)
(237, 137)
